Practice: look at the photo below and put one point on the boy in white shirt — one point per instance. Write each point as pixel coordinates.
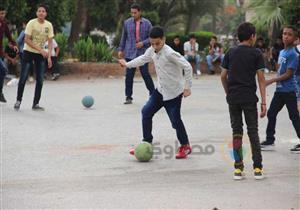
(191, 53)
(171, 86)
(54, 56)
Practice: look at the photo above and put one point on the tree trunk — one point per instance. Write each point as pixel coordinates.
(123, 10)
(79, 22)
(188, 23)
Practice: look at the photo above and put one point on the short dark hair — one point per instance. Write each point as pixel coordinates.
(192, 36)
(136, 6)
(214, 37)
(2, 8)
(177, 36)
(296, 32)
(245, 31)
(156, 32)
(43, 6)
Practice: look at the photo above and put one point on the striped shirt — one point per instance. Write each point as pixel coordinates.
(128, 39)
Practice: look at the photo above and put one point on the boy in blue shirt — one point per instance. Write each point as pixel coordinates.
(297, 48)
(286, 89)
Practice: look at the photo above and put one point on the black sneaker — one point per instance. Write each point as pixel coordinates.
(296, 149)
(128, 101)
(267, 146)
(2, 98)
(17, 105)
(37, 107)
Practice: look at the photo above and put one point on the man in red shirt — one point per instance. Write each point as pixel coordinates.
(4, 30)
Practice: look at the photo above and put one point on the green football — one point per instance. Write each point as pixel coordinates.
(144, 152)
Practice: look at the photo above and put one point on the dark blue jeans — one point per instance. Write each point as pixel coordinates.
(39, 62)
(129, 79)
(251, 117)
(154, 104)
(278, 102)
(21, 55)
(3, 72)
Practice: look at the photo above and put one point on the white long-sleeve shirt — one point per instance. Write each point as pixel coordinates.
(168, 65)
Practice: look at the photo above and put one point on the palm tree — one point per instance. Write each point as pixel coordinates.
(193, 9)
(268, 14)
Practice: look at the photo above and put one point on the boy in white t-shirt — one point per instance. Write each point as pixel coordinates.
(54, 56)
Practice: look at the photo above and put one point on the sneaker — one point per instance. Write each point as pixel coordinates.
(31, 79)
(131, 151)
(183, 151)
(295, 149)
(13, 82)
(128, 101)
(55, 76)
(2, 98)
(37, 107)
(258, 173)
(17, 105)
(198, 72)
(238, 174)
(267, 146)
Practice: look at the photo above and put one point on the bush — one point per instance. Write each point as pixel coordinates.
(103, 53)
(84, 49)
(97, 38)
(5, 40)
(62, 42)
(202, 37)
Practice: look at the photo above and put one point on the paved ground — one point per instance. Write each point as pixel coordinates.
(71, 157)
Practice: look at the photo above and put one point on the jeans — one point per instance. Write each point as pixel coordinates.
(196, 59)
(251, 118)
(3, 72)
(278, 102)
(129, 79)
(298, 88)
(21, 55)
(173, 106)
(212, 58)
(40, 68)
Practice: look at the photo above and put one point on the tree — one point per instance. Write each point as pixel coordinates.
(268, 15)
(24, 10)
(194, 9)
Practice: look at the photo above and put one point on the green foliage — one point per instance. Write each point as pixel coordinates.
(62, 42)
(86, 50)
(291, 12)
(202, 37)
(16, 10)
(97, 38)
(152, 16)
(267, 13)
(5, 40)
(24, 10)
(103, 53)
